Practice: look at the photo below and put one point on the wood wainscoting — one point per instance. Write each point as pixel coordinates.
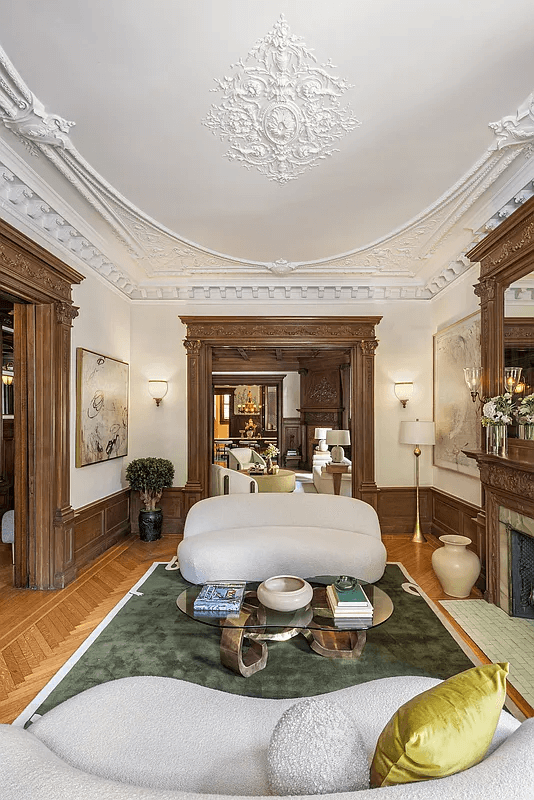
(440, 513)
(173, 504)
(100, 525)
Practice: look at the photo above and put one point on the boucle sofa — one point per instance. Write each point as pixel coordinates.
(252, 537)
(150, 738)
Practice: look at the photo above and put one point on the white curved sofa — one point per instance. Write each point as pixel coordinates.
(149, 738)
(252, 537)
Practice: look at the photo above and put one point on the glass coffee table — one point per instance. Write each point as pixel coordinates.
(243, 647)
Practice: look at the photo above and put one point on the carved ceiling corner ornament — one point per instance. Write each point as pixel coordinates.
(66, 313)
(516, 128)
(24, 115)
(280, 114)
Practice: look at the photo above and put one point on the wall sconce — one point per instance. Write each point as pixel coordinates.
(7, 380)
(404, 391)
(473, 376)
(157, 390)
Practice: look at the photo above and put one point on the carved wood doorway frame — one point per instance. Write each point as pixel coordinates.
(40, 286)
(205, 333)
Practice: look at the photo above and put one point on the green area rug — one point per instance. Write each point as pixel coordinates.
(150, 636)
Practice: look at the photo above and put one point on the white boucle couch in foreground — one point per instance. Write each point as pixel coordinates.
(151, 738)
(255, 536)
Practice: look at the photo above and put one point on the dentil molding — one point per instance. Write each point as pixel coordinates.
(183, 270)
(279, 112)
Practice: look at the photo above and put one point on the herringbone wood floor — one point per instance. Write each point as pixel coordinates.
(41, 630)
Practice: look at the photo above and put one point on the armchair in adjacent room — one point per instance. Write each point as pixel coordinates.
(242, 458)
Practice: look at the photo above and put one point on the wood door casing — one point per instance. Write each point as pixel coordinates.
(357, 334)
(40, 286)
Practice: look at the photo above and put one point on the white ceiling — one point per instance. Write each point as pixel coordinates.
(135, 77)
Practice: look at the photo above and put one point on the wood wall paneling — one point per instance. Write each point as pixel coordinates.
(174, 504)
(100, 525)
(396, 509)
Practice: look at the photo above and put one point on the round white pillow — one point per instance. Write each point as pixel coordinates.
(316, 748)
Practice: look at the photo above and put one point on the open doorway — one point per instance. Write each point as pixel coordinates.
(7, 441)
(206, 334)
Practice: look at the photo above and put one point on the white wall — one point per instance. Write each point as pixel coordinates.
(404, 353)
(157, 352)
(291, 394)
(102, 325)
(451, 305)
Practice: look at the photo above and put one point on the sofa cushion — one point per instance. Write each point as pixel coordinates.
(316, 748)
(444, 730)
(254, 553)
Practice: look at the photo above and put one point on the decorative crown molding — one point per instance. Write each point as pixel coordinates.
(178, 269)
(280, 114)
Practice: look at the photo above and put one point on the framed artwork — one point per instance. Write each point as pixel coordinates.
(101, 408)
(457, 418)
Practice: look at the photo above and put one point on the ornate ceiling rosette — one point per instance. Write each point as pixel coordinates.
(280, 113)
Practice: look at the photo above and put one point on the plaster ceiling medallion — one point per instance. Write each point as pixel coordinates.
(281, 114)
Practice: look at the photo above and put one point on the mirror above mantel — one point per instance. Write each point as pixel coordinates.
(506, 291)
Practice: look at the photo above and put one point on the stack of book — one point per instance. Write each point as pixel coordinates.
(351, 607)
(222, 599)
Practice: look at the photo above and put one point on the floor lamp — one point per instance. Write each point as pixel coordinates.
(417, 433)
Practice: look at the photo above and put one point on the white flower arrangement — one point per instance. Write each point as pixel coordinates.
(525, 412)
(271, 450)
(497, 410)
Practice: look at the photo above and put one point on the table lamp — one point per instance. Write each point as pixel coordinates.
(417, 433)
(337, 438)
(320, 436)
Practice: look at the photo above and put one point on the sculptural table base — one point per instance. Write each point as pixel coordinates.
(247, 657)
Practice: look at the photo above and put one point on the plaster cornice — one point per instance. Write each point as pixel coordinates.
(180, 269)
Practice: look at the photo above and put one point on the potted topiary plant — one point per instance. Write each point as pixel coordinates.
(150, 476)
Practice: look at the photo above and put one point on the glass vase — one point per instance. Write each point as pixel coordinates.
(526, 430)
(268, 465)
(497, 440)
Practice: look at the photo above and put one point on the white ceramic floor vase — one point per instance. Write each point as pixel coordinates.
(456, 567)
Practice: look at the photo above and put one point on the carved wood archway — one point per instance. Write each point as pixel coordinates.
(40, 285)
(355, 333)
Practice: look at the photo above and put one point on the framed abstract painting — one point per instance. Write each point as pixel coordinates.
(101, 407)
(457, 418)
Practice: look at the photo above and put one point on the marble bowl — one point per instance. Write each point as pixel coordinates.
(285, 593)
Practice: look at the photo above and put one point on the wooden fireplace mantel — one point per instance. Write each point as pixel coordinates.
(508, 483)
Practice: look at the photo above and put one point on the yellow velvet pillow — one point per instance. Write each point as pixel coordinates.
(443, 730)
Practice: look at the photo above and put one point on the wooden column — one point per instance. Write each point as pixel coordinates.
(491, 294)
(198, 434)
(363, 395)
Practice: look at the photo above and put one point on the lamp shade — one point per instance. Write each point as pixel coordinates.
(320, 433)
(157, 389)
(338, 437)
(418, 432)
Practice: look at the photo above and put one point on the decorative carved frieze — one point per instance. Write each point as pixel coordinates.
(279, 112)
(509, 247)
(21, 266)
(507, 479)
(316, 417)
(274, 330)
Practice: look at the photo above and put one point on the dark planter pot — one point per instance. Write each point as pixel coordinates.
(150, 523)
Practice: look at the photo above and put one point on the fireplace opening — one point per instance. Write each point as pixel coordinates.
(522, 574)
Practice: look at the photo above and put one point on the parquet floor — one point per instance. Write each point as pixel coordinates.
(40, 630)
